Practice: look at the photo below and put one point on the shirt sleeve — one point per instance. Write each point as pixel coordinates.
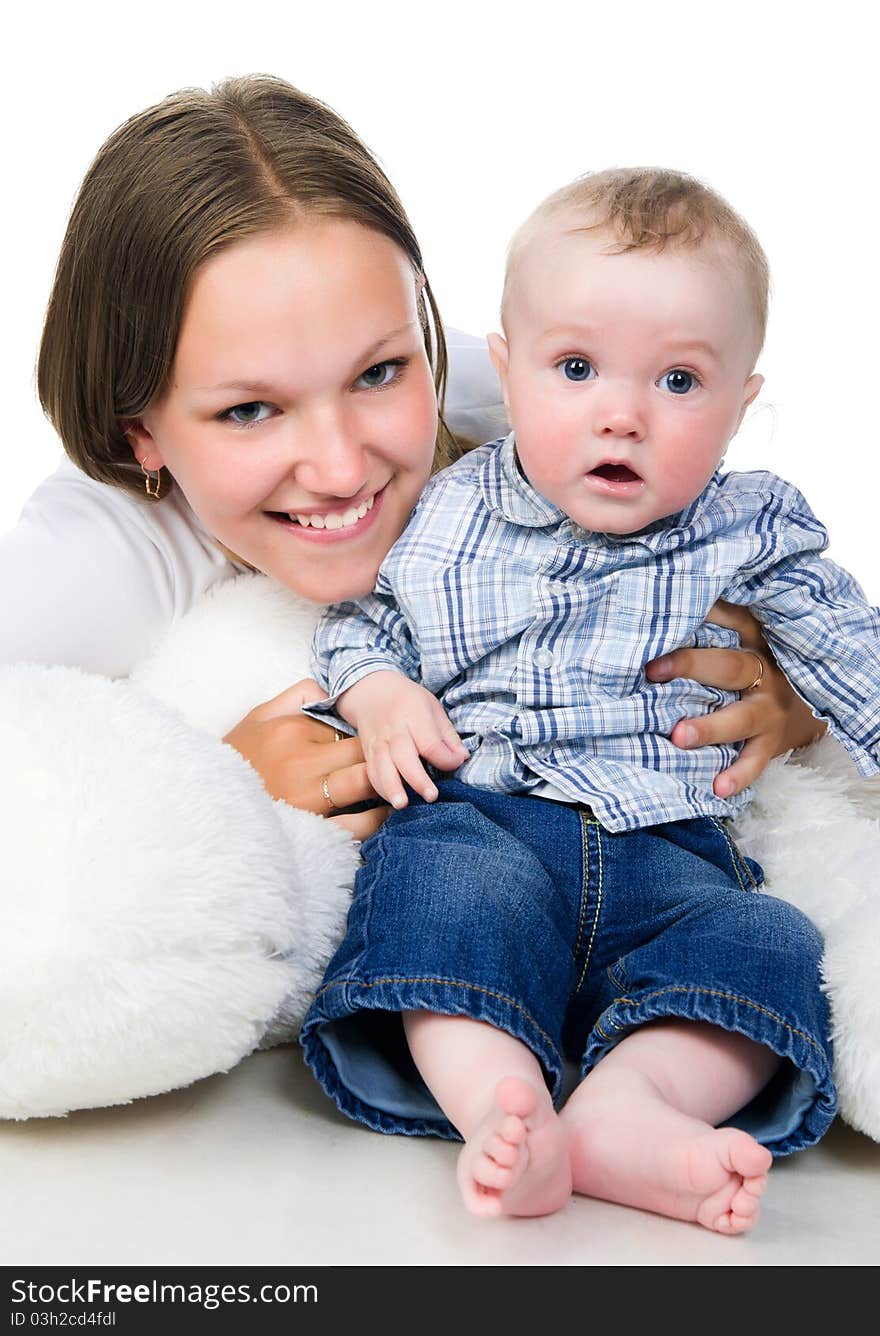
(357, 638)
(823, 632)
(92, 578)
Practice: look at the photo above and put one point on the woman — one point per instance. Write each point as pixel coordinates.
(243, 356)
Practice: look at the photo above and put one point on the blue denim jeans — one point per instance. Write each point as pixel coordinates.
(530, 915)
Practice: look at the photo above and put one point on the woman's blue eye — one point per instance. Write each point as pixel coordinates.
(678, 381)
(577, 368)
(246, 415)
(375, 377)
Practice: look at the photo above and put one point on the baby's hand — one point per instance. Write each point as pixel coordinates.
(397, 722)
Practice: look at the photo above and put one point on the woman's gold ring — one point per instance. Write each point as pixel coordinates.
(325, 789)
(760, 677)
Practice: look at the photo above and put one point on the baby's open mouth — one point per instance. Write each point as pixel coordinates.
(615, 473)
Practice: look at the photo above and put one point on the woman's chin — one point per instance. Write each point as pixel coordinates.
(323, 585)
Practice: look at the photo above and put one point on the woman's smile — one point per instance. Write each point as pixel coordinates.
(332, 525)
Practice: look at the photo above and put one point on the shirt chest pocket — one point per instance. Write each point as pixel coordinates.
(663, 611)
(464, 613)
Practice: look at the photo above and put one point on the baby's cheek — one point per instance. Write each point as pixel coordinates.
(687, 469)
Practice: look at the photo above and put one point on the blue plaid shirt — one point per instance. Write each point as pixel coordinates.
(534, 634)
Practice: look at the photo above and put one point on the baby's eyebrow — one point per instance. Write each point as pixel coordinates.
(694, 345)
(570, 332)
(669, 346)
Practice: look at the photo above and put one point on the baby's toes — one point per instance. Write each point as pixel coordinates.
(512, 1130)
(738, 1223)
(746, 1201)
(488, 1174)
(741, 1214)
(502, 1151)
(482, 1201)
(714, 1212)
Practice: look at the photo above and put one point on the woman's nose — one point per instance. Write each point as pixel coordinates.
(329, 455)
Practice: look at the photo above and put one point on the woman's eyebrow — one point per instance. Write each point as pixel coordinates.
(257, 386)
(265, 387)
(386, 338)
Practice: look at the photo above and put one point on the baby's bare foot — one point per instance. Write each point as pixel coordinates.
(516, 1161)
(640, 1151)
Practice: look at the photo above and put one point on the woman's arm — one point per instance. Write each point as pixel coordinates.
(770, 719)
(92, 578)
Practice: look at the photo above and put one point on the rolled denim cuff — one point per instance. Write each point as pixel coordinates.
(797, 1106)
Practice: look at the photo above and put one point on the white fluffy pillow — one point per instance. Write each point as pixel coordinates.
(161, 915)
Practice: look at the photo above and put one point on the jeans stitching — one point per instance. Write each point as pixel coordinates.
(365, 938)
(733, 852)
(711, 992)
(585, 883)
(598, 902)
(743, 861)
(446, 983)
(617, 974)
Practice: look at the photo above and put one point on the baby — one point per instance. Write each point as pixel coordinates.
(608, 917)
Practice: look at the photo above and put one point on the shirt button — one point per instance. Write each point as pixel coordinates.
(542, 658)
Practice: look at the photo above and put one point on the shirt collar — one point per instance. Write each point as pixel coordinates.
(507, 492)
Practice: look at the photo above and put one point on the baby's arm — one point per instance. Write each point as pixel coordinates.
(398, 722)
(365, 655)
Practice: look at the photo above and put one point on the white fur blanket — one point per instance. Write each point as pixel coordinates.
(162, 916)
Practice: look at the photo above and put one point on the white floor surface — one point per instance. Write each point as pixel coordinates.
(257, 1168)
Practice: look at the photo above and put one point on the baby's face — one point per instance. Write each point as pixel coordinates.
(625, 375)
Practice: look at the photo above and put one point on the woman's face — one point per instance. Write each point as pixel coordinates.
(301, 417)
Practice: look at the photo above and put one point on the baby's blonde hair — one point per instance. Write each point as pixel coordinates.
(650, 208)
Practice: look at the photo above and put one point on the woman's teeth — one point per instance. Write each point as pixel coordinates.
(335, 519)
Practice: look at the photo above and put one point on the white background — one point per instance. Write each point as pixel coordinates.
(477, 114)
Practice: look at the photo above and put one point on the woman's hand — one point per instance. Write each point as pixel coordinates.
(301, 761)
(771, 718)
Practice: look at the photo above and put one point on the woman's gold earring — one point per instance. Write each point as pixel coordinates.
(149, 480)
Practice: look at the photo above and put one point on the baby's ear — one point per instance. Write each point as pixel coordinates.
(500, 354)
(750, 393)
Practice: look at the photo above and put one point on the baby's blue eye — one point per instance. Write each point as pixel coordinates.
(678, 381)
(245, 415)
(381, 374)
(577, 368)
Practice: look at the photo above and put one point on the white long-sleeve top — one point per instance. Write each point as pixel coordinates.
(93, 578)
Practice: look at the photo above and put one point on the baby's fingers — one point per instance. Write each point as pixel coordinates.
(391, 762)
(384, 775)
(438, 742)
(405, 755)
